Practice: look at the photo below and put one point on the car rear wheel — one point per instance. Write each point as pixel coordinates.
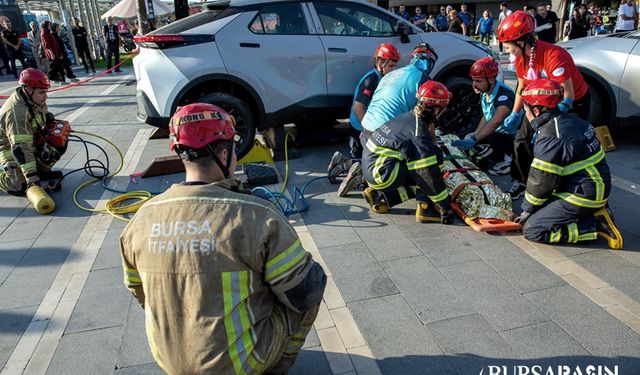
(463, 112)
(245, 122)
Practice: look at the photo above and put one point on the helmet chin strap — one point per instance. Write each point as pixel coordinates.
(223, 168)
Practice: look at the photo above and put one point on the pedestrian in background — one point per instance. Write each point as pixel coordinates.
(402, 12)
(455, 23)
(465, 16)
(14, 47)
(627, 17)
(485, 27)
(112, 40)
(546, 24)
(579, 23)
(431, 21)
(66, 62)
(53, 53)
(419, 19)
(34, 41)
(504, 12)
(4, 56)
(82, 45)
(441, 20)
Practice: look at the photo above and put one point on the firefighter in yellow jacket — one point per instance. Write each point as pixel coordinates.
(24, 160)
(226, 286)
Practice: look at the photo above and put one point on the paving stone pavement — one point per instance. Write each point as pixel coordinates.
(402, 297)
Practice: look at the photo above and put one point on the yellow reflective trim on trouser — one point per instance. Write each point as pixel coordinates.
(29, 167)
(534, 200)
(404, 196)
(422, 163)
(20, 138)
(572, 233)
(238, 322)
(555, 236)
(580, 201)
(588, 236)
(284, 263)
(441, 196)
(441, 166)
(591, 161)
(597, 181)
(545, 166)
(381, 184)
(379, 150)
(132, 277)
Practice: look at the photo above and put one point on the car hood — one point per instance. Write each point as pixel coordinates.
(589, 41)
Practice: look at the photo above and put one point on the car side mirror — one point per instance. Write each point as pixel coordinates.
(402, 29)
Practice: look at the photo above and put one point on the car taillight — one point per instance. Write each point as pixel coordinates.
(162, 41)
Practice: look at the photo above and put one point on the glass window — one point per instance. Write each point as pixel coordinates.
(338, 18)
(286, 19)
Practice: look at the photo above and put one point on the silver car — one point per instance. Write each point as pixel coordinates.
(275, 62)
(611, 66)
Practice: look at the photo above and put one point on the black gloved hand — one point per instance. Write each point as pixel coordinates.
(522, 218)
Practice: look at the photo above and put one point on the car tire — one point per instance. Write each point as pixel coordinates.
(245, 122)
(464, 111)
(595, 116)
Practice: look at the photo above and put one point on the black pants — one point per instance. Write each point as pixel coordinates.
(561, 222)
(522, 147)
(355, 146)
(13, 55)
(5, 59)
(113, 50)
(84, 54)
(56, 70)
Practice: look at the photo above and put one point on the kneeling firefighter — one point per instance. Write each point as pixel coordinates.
(401, 160)
(30, 141)
(569, 182)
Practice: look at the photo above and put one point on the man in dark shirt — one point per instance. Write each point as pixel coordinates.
(82, 45)
(112, 41)
(441, 20)
(419, 19)
(12, 39)
(546, 22)
(402, 12)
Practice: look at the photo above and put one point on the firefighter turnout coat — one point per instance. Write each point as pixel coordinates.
(222, 277)
(20, 120)
(568, 164)
(394, 153)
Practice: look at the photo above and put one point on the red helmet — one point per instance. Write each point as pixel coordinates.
(486, 67)
(515, 26)
(543, 92)
(433, 94)
(387, 51)
(34, 78)
(198, 124)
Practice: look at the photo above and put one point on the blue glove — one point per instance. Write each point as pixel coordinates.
(565, 105)
(511, 124)
(464, 144)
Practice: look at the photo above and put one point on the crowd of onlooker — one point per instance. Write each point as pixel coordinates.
(585, 20)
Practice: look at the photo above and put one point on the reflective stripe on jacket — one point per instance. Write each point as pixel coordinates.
(568, 163)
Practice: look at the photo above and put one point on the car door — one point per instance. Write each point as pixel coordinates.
(350, 33)
(273, 51)
(629, 102)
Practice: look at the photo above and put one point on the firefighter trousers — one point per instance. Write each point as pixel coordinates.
(561, 222)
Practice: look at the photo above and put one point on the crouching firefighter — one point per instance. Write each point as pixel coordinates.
(225, 283)
(401, 161)
(569, 182)
(27, 151)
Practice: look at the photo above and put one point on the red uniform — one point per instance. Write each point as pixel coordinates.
(555, 63)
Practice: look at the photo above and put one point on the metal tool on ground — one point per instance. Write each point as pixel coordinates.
(602, 132)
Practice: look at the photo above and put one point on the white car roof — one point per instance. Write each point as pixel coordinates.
(241, 3)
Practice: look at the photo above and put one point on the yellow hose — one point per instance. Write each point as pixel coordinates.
(113, 206)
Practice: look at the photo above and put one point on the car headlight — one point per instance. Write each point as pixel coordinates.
(484, 48)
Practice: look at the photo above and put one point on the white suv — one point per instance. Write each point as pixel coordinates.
(275, 62)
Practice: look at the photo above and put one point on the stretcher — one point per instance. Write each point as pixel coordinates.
(482, 205)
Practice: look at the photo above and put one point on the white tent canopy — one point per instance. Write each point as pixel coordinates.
(127, 9)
